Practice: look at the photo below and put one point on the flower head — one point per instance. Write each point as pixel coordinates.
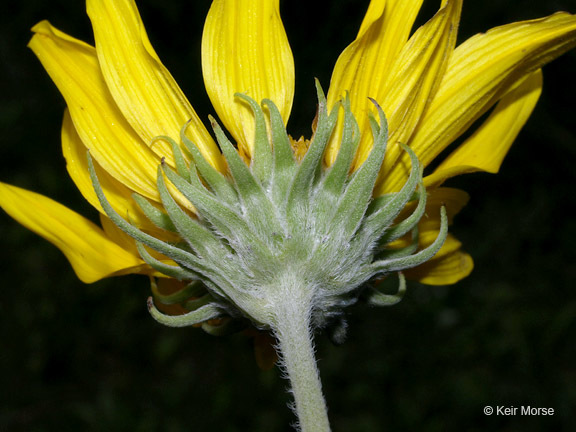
(405, 94)
(262, 228)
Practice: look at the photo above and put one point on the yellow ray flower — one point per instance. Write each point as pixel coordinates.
(252, 56)
(120, 97)
(63, 228)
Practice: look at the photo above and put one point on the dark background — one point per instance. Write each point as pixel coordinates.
(88, 357)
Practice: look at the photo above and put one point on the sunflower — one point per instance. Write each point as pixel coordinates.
(220, 218)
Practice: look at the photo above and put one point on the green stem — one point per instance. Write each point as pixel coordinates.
(296, 349)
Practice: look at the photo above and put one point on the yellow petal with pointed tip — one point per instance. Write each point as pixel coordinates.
(245, 50)
(416, 73)
(486, 148)
(112, 142)
(373, 13)
(142, 87)
(364, 66)
(90, 252)
(481, 71)
(415, 78)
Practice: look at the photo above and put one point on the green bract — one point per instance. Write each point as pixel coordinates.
(281, 230)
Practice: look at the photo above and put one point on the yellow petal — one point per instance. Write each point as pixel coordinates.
(480, 72)
(374, 13)
(112, 142)
(118, 195)
(118, 236)
(245, 50)
(445, 270)
(364, 66)
(127, 243)
(90, 252)
(486, 148)
(450, 264)
(414, 80)
(454, 200)
(450, 245)
(142, 87)
(416, 73)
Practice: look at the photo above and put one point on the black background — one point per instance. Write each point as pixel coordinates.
(88, 357)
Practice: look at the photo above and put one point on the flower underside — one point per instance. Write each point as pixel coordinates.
(279, 218)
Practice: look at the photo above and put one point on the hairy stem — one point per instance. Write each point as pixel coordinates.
(296, 350)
